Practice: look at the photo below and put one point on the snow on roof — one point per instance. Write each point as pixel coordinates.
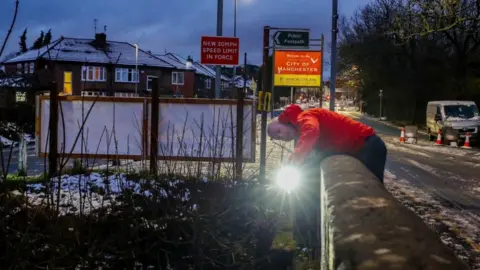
(14, 82)
(82, 50)
(203, 70)
(172, 62)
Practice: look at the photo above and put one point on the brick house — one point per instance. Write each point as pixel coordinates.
(100, 67)
(204, 83)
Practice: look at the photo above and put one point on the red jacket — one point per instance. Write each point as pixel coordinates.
(325, 130)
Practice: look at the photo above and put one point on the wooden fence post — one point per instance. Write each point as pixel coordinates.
(154, 127)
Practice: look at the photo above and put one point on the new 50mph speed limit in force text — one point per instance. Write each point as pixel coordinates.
(220, 50)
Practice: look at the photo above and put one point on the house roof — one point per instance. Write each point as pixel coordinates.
(197, 66)
(82, 50)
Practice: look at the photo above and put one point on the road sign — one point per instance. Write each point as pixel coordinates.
(219, 50)
(292, 38)
(297, 68)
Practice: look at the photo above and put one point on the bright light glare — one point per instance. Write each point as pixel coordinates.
(288, 178)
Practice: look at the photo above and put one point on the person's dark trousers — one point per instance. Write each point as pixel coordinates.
(373, 155)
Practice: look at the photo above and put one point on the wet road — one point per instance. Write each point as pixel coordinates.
(451, 174)
(441, 184)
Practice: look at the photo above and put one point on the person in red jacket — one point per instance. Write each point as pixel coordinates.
(330, 133)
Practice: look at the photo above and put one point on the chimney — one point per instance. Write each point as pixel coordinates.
(100, 40)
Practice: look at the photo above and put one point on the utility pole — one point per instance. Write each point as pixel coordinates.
(218, 69)
(333, 67)
(235, 35)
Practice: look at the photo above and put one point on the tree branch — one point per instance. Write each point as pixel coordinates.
(11, 27)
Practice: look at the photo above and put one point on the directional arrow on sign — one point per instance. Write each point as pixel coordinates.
(292, 38)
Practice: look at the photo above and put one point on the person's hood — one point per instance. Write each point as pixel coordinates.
(290, 115)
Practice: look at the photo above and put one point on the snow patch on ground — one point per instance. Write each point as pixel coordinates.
(80, 193)
(457, 228)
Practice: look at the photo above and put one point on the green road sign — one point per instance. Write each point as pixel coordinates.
(292, 38)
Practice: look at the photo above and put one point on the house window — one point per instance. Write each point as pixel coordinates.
(149, 82)
(93, 93)
(20, 97)
(125, 94)
(127, 75)
(32, 68)
(208, 83)
(25, 68)
(94, 74)
(177, 78)
(67, 83)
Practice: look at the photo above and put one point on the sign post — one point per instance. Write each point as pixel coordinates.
(292, 38)
(240, 113)
(263, 131)
(272, 85)
(322, 44)
(297, 68)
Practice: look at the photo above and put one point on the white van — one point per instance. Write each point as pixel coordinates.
(454, 119)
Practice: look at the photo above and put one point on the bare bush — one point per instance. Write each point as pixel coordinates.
(188, 215)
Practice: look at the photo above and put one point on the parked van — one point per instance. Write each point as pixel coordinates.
(454, 119)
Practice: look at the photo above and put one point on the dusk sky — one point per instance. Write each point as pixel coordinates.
(174, 26)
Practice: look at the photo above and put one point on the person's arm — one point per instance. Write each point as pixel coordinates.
(309, 133)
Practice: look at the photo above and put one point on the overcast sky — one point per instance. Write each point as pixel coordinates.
(171, 25)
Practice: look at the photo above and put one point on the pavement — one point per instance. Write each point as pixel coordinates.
(439, 183)
(35, 165)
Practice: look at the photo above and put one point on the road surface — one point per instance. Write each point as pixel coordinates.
(439, 183)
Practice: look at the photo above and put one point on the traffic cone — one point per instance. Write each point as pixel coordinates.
(467, 141)
(438, 142)
(402, 136)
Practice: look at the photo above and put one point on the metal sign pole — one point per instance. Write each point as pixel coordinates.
(322, 43)
(240, 112)
(272, 83)
(263, 135)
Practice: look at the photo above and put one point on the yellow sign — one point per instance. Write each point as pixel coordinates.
(264, 100)
(297, 80)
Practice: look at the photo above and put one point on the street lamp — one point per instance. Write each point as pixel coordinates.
(234, 35)
(218, 68)
(136, 69)
(380, 94)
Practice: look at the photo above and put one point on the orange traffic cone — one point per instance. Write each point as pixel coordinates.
(438, 142)
(402, 136)
(467, 141)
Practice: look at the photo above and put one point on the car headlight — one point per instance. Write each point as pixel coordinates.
(288, 178)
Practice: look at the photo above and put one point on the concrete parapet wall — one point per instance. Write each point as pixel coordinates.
(365, 227)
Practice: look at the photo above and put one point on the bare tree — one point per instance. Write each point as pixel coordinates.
(17, 3)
